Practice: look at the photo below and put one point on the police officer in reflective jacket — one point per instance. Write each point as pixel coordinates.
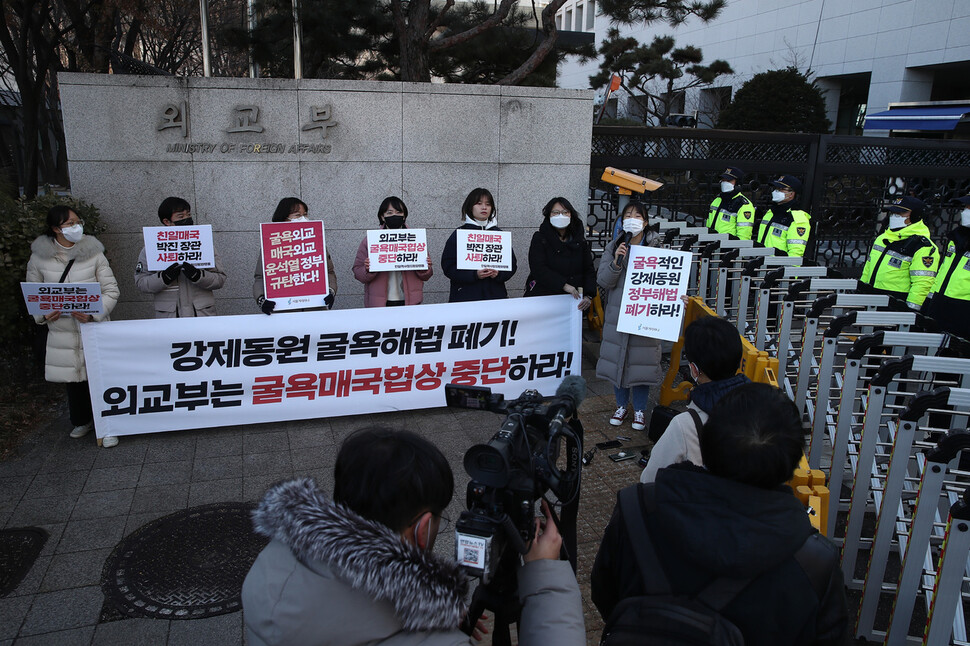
(949, 298)
(731, 212)
(903, 260)
(785, 227)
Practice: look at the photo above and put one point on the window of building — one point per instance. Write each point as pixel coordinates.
(590, 14)
(579, 17)
(951, 82)
(853, 96)
(568, 22)
(710, 103)
(559, 21)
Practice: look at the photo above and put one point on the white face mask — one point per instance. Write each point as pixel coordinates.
(73, 233)
(965, 217)
(633, 225)
(777, 196)
(302, 218)
(896, 221)
(560, 221)
(727, 187)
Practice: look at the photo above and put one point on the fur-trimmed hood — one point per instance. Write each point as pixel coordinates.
(428, 592)
(47, 248)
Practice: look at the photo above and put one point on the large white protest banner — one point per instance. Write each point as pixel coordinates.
(167, 245)
(655, 280)
(44, 298)
(148, 376)
(397, 250)
(484, 249)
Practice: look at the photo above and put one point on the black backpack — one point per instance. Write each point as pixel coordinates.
(661, 618)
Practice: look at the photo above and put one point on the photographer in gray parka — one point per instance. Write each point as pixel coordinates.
(629, 361)
(181, 290)
(360, 569)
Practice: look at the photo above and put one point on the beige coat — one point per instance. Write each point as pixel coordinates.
(183, 298)
(65, 356)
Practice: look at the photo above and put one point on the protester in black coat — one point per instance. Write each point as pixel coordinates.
(559, 258)
(478, 213)
(736, 519)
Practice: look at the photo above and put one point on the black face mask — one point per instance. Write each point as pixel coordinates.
(187, 222)
(394, 221)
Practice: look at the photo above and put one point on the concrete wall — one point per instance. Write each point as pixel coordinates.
(428, 143)
(887, 38)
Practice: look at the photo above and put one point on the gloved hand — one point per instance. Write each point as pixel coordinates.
(266, 305)
(170, 273)
(328, 299)
(191, 272)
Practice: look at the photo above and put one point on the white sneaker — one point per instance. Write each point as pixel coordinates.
(81, 431)
(108, 441)
(639, 420)
(618, 416)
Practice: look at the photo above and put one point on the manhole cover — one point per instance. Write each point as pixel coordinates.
(186, 565)
(18, 551)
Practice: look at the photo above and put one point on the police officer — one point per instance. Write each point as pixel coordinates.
(903, 259)
(949, 299)
(731, 212)
(784, 227)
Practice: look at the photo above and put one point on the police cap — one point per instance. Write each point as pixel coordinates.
(788, 183)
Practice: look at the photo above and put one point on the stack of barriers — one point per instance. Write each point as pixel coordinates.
(885, 405)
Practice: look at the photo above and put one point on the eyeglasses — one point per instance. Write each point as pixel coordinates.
(71, 223)
(560, 213)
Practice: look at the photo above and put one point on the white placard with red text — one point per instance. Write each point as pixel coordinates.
(167, 245)
(484, 249)
(655, 280)
(294, 264)
(44, 298)
(164, 375)
(397, 249)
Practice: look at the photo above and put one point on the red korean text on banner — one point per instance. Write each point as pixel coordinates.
(294, 264)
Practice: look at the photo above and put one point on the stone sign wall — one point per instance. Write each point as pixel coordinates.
(234, 147)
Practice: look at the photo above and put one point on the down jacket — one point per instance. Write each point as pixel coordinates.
(182, 298)
(625, 359)
(330, 577)
(554, 263)
(65, 356)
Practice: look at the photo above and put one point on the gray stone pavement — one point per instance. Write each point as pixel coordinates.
(88, 499)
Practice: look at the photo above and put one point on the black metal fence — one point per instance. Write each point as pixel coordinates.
(846, 180)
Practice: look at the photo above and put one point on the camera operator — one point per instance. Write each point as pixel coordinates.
(361, 568)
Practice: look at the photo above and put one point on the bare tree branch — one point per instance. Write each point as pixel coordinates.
(550, 33)
(492, 21)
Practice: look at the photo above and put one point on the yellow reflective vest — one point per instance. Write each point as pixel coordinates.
(949, 299)
(903, 264)
(732, 214)
(788, 230)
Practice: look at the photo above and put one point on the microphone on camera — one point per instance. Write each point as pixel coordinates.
(572, 388)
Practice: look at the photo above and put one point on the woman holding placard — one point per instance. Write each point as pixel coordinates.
(559, 258)
(63, 254)
(629, 361)
(291, 209)
(394, 287)
(478, 214)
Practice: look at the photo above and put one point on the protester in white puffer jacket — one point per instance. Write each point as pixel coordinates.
(62, 242)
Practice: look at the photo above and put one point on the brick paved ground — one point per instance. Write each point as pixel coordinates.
(88, 499)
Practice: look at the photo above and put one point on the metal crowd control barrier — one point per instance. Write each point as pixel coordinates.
(796, 304)
(896, 527)
(819, 316)
(858, 405)
(771, 300)
(753, 273)
(727, 291)
(882, 443)
(838, 341)
(713, 255)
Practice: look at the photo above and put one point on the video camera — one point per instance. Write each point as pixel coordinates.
(511, 472)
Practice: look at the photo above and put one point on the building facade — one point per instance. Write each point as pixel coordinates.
(866, 54)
